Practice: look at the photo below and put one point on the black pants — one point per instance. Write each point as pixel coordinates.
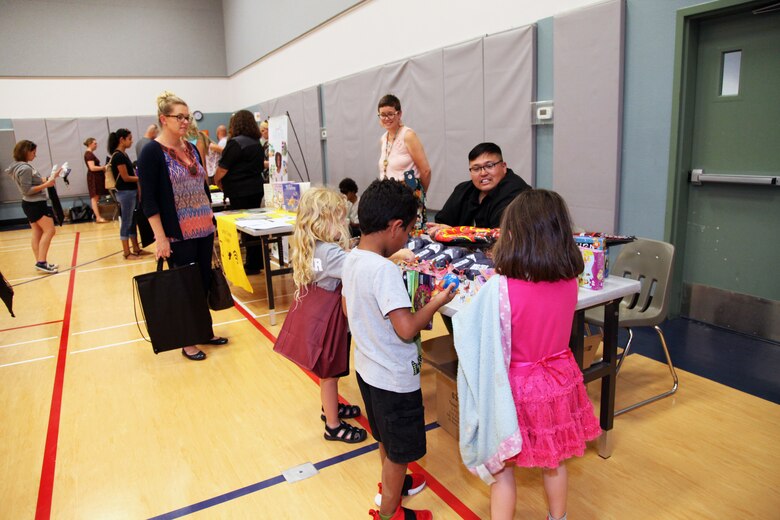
(254, 253)
(198, 251)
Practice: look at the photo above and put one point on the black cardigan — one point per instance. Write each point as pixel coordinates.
(157, 190)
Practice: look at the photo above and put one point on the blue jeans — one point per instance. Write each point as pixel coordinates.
(128, 200)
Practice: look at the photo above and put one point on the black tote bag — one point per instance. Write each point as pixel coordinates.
(174, 306)
(220, 297)
(145, 232)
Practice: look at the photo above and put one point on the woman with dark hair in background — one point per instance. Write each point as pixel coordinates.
(240, 174)
(126, 189)
(175, 199)
(33, 187)
(96, 177)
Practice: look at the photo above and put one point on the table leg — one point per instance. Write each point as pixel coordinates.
(609, 381)
(269, 285)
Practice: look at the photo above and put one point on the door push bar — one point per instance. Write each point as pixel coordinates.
(698, 177)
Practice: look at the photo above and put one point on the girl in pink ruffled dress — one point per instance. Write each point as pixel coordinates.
(537, 254)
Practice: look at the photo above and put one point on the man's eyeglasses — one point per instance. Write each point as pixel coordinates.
(180, 117)
(387, 116)
(487, 166)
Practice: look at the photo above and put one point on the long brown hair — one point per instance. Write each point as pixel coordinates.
(536, 242)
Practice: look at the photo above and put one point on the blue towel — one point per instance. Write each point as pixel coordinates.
(489, 433)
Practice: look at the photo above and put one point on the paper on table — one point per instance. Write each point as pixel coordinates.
(263, 223)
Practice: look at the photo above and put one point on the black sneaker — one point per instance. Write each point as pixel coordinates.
(46, 267)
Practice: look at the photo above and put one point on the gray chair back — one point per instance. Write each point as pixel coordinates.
(650, 262)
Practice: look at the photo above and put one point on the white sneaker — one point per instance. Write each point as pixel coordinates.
(46, 268)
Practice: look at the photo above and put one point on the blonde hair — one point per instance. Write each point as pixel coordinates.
(192, 130)
(166, 102)
(322, 215)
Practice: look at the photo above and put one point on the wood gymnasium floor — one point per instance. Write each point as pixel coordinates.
(95, 426)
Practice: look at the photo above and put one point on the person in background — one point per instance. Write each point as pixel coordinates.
(349, 189)
(96, 177)
(239, 175)
(481, 201)
(126, 190)
(538, 262)
(402, 155)
(175, 200)
(215, 151)
(264, 142)
(200, 140)
(33, 187)
(388, 358)
(149, 135)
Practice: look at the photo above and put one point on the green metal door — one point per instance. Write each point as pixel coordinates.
(731, 255)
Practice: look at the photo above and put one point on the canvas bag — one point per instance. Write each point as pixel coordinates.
(174, 307)
(220, 297)
(314, 334)
(110, 176)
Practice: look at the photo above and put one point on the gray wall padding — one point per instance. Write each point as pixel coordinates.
(588, 72)
(464, 114)
(444, 99)
(304, 109)
(112, 38)
(61, 140)
(65, 145)
(8, 189)
(509, 57)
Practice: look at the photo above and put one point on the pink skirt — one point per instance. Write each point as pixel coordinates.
(553, 410)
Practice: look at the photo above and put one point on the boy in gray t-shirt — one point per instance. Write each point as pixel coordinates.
(387, 357)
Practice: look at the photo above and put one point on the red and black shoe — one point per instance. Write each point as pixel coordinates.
(403, 513)
(413, 484)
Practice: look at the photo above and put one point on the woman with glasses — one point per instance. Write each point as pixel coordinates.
(126, 189)
(402, 156)
(240, 174)
(174, 197)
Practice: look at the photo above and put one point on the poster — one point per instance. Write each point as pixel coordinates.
(230, 251)
(277, 148)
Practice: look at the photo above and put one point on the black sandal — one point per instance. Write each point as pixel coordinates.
(345, 433)
(346, 411)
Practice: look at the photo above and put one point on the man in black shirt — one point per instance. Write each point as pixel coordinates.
(481, 201)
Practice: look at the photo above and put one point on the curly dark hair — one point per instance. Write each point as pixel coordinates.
(243, 123)
(347, 185)
(384, 201)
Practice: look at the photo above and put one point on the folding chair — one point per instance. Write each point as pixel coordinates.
(650, 262)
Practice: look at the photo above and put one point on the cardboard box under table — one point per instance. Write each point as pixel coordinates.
(440, 354)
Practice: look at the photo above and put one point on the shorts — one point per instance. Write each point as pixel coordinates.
(34, 211)
(397, 420)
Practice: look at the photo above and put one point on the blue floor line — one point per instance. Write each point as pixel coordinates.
(232, 495)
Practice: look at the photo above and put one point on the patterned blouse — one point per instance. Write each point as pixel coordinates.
(192, 205)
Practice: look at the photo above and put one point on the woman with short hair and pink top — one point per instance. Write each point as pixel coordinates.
(402, 155)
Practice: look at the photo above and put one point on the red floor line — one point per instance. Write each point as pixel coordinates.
(33, 325)
(437, 487)
(46, 487)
